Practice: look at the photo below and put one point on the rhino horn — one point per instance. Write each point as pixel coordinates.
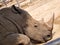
(49, 24)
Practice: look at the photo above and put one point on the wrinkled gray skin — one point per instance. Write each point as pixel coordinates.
(17, 27)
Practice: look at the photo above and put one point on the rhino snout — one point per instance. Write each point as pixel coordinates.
(47, 37)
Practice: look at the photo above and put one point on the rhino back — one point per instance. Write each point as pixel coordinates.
(12, 21)
(6, 28)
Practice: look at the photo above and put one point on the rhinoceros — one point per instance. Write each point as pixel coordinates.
(18, 27)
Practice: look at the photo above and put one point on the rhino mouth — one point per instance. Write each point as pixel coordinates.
(37, 42)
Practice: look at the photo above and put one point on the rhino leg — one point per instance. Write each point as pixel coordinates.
(16, 39)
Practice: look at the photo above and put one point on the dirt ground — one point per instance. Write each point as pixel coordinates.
(45, 9)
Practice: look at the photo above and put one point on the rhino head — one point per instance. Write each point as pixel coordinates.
(39, 31)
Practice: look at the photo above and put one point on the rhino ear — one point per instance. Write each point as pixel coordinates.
(16, 10)
(50, 22)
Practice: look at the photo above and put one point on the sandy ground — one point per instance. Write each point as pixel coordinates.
(45, 9)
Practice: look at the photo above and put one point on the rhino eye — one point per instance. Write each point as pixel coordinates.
(20, 44)
(35, 26)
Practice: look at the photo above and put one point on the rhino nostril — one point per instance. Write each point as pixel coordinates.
(48, 36)
(20, 44)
